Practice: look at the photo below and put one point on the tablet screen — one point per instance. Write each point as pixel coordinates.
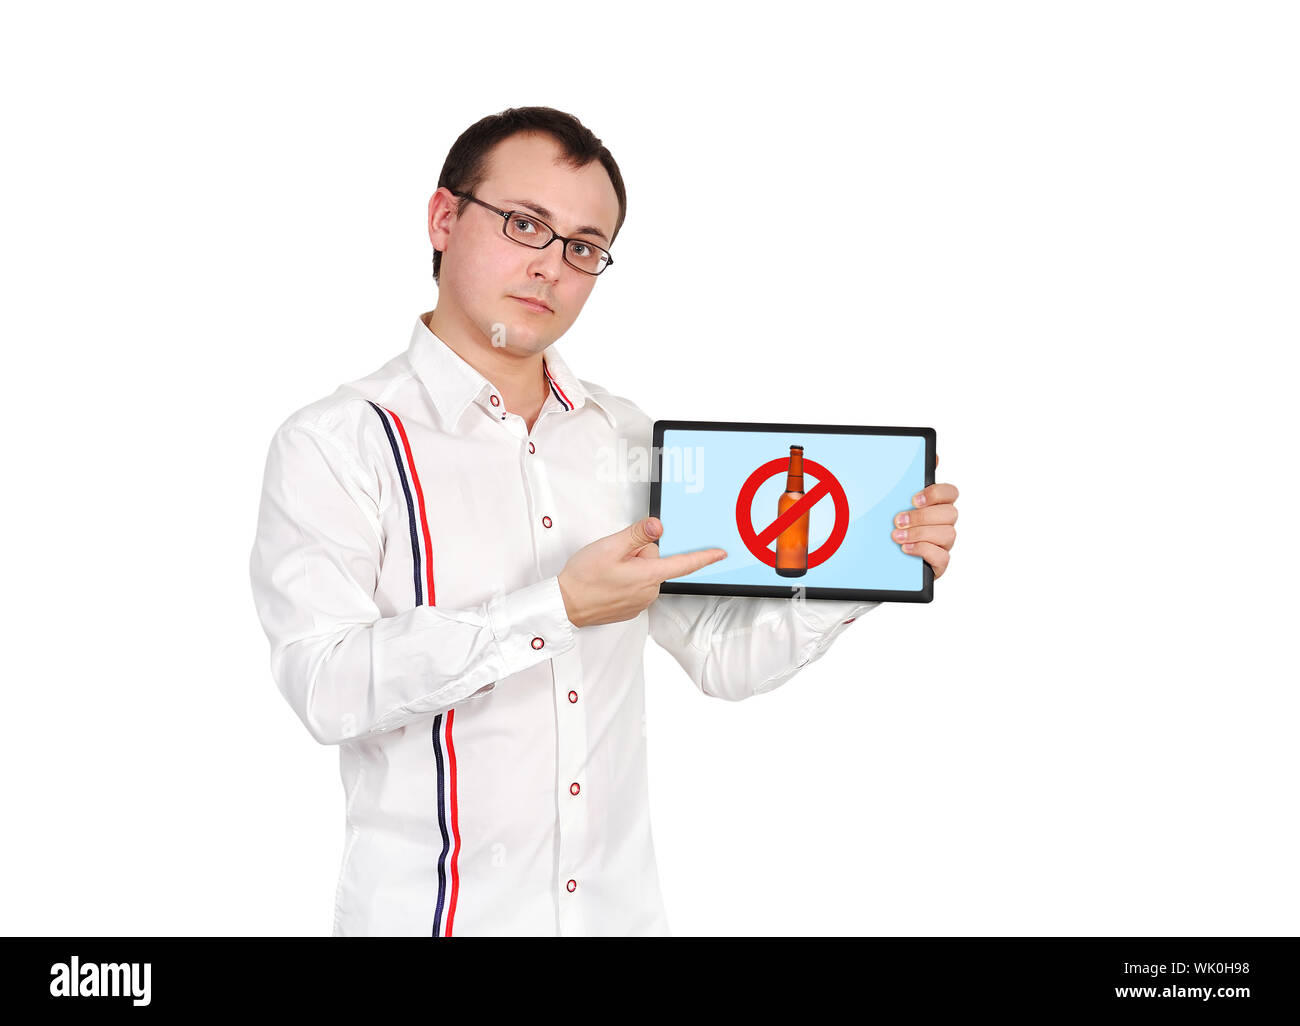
(794, 505)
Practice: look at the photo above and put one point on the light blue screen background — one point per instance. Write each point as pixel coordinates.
(880, 474)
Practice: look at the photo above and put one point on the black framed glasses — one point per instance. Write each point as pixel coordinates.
(529, 230)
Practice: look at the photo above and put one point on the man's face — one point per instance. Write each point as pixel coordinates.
(483, 272)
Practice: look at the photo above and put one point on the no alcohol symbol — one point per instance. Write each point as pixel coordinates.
(827, 484)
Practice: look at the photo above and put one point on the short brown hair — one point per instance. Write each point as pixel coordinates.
(466, 163)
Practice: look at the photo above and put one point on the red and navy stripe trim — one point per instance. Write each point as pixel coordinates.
(444, 751)
(559, 392)
(419, 524)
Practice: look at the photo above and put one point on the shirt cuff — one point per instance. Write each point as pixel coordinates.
(531, 624)
(826, 615)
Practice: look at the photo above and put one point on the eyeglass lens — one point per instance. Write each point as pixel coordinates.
(584, 255)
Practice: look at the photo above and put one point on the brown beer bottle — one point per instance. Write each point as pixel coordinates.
(792, 543)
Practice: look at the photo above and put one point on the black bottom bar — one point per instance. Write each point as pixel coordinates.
(1224, 977)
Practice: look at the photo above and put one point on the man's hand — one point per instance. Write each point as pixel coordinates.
(927, 530)
(617, 576)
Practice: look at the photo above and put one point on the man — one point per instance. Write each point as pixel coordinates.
(459, 601)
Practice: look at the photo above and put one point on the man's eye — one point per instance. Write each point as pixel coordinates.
(580, 249)
(522, 224)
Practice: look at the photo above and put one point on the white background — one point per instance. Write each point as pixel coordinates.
(1062, 235)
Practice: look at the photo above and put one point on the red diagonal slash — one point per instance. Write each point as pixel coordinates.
(820, 491)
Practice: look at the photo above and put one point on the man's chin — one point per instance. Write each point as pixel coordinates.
(520, 340)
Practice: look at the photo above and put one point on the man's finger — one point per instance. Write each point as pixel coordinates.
(687, 562)
(935, 495)
(643, 532)
(934, 555)
(946, 513)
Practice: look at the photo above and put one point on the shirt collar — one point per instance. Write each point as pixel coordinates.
(453, 384)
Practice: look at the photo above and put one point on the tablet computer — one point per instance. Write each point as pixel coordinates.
(802, 509)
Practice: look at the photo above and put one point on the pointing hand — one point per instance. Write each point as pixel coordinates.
(617, 576)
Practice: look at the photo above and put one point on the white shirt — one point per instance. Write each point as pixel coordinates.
(493, 755)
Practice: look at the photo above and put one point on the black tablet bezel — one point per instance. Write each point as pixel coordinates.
(926, 594)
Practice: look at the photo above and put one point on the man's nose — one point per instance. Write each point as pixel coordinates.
(549, 260)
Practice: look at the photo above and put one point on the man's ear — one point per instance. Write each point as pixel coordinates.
(442, 213)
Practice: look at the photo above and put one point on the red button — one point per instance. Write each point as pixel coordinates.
(494, 400)
(572, 885)
(531, 447)
(546, 521)
(574, 788)
(538, 643)
(573, 696)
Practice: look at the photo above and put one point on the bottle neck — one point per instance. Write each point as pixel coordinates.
(794, 479)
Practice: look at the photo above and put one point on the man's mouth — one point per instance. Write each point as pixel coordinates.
(533, 304)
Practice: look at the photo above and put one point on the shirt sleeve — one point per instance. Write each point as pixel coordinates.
(347, 671)
(735, 647)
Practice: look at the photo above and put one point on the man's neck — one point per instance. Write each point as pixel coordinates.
(521, 380)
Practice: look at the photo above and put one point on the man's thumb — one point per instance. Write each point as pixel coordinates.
(645, 531)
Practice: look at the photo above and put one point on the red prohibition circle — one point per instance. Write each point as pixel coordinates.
(745, 506)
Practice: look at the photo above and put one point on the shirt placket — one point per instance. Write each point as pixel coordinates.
(572, 787)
